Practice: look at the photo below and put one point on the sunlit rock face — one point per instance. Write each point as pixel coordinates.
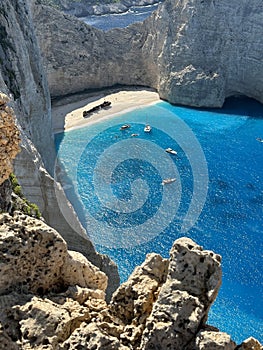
(26, 240)
(54, 299)
(193, 52)
(9, 138)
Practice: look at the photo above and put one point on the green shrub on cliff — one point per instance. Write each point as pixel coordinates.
(21, 203)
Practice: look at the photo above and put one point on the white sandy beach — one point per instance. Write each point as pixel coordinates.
(68, 115)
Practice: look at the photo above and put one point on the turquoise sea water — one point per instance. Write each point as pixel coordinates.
(217, 199)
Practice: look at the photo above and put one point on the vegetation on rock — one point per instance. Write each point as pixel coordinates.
(19, 202)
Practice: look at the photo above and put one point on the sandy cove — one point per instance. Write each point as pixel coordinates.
(67, 113)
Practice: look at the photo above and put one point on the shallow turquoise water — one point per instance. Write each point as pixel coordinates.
(217, 199)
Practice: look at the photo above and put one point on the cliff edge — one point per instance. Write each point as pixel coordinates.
(23, 79)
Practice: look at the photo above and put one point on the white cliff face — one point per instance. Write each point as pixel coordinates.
(22, 76)
(212, 50)
(194, 52)
(81, 57)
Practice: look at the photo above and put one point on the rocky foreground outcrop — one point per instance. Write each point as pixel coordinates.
(193, 52)
(52, 298)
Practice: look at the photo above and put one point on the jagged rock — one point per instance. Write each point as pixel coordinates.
(66, 310)
(91, 336)
(43, 322)
(250, 344)
(36, 257)
(133, 301)
(194, 53)
(193, 281)
(195, 270)
(78, 270)
(207, 340)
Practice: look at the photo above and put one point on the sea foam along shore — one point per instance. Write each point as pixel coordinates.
(67, 113)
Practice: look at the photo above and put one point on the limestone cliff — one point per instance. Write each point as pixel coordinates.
(80, 57)
(22, 77)
(53, 299)
(194, 52)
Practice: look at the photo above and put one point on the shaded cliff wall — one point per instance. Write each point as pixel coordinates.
(194, 52)
(22, 76)
(78, 56)
(212, 50)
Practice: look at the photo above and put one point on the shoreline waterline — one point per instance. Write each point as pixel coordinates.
(68, 115)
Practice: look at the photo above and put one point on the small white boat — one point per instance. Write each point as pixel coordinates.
(147, 128)
(171, 151)
(134, 135)
(259, 139)
(168, 181)
(125, 126)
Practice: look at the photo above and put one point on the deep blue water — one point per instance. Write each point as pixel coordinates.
(217, 199)
(107, 22)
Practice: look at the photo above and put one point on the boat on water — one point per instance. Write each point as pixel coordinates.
(171, 151)
(168, 181)
(259, 139)
(125, 126)
(147, 128)
(134, 135)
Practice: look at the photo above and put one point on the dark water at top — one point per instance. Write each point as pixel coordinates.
(107, 22)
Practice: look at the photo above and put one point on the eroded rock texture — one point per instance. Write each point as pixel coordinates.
(36, 257)
(9, 138)
(193, 52)
(9, 147)
(54, 299)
